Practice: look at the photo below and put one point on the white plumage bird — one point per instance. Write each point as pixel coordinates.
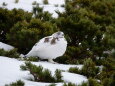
(49, 47)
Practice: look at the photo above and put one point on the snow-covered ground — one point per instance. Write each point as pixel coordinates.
(6, 47)
(27, 5)
(10, 71)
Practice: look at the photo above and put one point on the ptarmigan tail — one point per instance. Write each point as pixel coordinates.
(31, 53)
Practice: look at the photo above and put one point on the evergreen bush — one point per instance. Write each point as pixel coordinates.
(45, 1)
(88, 28)
(31, 31)
(11, 54)
(70, 56)
(34, 59)
(89, 69)
(74, 70)
(58, 76)
(34, 3)
(40, 74)
(16, 1)
(84, 84)
(69, 84)
(19, 33)
(107, 78)
(9, 18)
(42, 15)
(23, 67)
(107, 75)
(52, 84)
(90, 82)
(2, 52)
(17, 83)
(72, 84)
(93, 82)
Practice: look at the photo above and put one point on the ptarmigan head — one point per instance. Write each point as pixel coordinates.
(58, 34)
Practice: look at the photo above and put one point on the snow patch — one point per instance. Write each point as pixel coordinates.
(6, 47)
(27, 5)
(74, 78)
(10, 72)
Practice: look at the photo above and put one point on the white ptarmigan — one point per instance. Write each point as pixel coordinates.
(49, 47)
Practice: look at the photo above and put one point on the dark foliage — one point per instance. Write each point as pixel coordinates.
(34, 59)
(11, 54)
(93, 82)
(40, 74)
(69, 84)
(52, 84)
(89, 27)
(17, 83)
(89, 69)
(9, 18)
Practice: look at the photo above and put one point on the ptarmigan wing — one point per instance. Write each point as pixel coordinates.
(40, 45)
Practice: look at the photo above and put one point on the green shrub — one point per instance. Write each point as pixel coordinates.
(70, 56)
(112, 79)
(40, 74)
(109, 63)
(47, 77)
(74, 70)
(69, 84)
(107, 78)
(42, 15)
(9, 18)
(107, 75)
(113, 54)
(107, 82)
(85, 27)
(84, 84)
(16, 1)
(2, 52)
(11, 54)
(23, 67)
(34, 59)
(52, 84)
(58, 76)
(17, 83)
(72, 84)
(62, 59)
(32, 32)
(45, 1)
(93, 82)
(89, 68)
(19, 33)
(34, 3)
